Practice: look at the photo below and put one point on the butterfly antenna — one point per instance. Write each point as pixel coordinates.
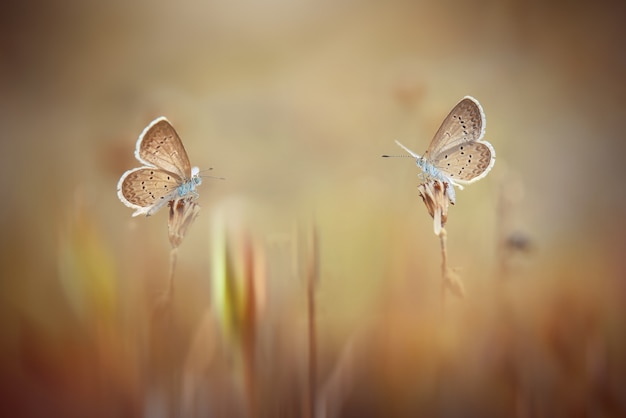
(412, 154)
(396, 156)
(213, 177)
(209, 177)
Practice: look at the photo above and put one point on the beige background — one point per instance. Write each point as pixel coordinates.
(294, 102)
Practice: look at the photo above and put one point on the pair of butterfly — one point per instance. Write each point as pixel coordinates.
(456, 156)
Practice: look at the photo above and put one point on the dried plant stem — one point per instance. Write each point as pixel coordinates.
(450, 281)
(312, 348)
(170, 285)
(444, 265)
(163, 346)
(163, 305)
(312, 278)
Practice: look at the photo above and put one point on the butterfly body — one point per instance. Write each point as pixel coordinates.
(457, 155)
(166, 174)
(430, 171)
(189, 187)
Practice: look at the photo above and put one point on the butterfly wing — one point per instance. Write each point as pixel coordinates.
(464, 124)
(160, 146)
(147, 189)
(468, 162)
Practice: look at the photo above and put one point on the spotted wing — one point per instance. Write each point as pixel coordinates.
(467, 162)
(465, 123)
(147, 189)
(160, 146)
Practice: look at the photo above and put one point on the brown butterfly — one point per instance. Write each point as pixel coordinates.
(166, 173)
(456, 155)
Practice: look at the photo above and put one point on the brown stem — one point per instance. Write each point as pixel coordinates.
(444, 266)
(312, 277)
(170, 287)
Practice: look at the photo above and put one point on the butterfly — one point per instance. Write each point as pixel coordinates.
(166, 174)
(457, 155)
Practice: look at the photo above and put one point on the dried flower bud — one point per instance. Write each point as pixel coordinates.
(435, 195)
(182, 214)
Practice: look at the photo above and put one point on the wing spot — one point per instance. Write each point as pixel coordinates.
(445, 156)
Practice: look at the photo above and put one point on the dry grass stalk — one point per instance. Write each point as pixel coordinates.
(434, 194)
(451, 281)
(436, 197)
(182, 214)
(312, 278)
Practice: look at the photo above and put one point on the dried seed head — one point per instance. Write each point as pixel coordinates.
(434, 194)
(183, 212)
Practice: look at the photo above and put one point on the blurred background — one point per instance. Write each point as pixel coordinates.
(294, 102)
